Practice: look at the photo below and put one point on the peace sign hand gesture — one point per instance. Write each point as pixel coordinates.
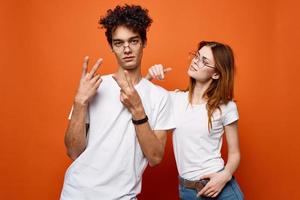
(129, 96)
(89, 82)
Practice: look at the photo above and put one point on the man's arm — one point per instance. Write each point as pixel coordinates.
(152, 142)
(75, 136)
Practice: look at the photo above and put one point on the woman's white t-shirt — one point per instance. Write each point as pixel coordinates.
(198, 151)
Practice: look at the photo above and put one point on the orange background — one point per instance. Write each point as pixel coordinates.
(42, 47)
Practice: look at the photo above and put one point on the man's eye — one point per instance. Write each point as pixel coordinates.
(118, 44)
(134, 41)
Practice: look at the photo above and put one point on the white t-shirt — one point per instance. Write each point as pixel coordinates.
(198, 151)
(112, 164)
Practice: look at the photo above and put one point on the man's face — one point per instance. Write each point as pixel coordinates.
(127, 47)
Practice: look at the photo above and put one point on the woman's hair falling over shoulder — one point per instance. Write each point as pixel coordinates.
(220, 90)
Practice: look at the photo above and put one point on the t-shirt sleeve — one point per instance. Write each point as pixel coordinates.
(165, 117)
(231, 113)
(87, 118)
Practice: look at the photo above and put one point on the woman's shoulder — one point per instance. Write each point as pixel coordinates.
(230, 105)
(178, 95)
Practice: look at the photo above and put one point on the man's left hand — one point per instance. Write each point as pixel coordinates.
(129, 96)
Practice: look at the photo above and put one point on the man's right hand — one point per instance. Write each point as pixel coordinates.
(89, 82)
(157, 72)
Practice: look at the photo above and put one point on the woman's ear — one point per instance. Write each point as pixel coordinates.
(216, 75)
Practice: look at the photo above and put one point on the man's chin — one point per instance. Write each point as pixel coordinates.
(129, 66)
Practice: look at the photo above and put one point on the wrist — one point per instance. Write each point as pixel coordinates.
(140, 121)
(138, 113)
(227, 174)
(80, 101)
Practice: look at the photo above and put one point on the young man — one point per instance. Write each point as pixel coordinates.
(127, 117)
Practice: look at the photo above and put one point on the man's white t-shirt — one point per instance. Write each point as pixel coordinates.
(198, 151)
(112, 164)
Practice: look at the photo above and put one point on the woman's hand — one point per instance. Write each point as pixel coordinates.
(215, 184)
(157, 72)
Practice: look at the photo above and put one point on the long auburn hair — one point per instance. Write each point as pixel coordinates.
(220, 91)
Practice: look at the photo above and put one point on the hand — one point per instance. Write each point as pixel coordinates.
(157, 72)
(215, 184)
(89, 82)
(129, 96)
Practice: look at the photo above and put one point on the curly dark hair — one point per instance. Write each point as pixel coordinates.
(132, 16)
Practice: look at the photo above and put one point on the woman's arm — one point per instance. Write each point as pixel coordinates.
(218, 180)
(157, 72)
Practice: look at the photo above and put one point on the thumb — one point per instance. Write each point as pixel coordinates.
(207, 176)
(167, 69)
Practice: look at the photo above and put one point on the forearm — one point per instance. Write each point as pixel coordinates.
(232, 162)
(75, 137)
(151, 146)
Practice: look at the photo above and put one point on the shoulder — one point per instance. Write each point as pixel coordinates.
(229, 109)
(107, 80)
(156, 90)
(231, 105)
(106, 77)
(229, 113)
(179, 96)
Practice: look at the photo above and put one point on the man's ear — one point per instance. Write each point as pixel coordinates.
(216, 75)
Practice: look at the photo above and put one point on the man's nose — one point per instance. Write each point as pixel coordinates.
(127, 48)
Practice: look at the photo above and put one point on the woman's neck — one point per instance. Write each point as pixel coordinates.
(199, 90)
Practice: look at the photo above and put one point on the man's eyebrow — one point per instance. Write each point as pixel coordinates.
(117, 40)
(134, 37)
(131, 38)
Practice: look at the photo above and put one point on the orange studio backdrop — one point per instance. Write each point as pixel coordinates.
(42, 47)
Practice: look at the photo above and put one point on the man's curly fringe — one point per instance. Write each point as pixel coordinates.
(132, 16)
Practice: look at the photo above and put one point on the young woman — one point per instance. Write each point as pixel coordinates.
(202, 114)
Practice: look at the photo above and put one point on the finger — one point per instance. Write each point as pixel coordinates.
(128, 79)
(210, 193)
(161, 71)
(166, 70)
(85, 65)
(156, 72)
(203, 190)
(95, 78)
(118, 81)
(207, 176)
(98, 82)
(215, 194)
(151, 72)
(121, 98)
(124, 96)
(96, 66)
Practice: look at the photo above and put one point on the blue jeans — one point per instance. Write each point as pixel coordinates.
(231, 191)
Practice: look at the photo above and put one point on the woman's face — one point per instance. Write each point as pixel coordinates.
(202, 67)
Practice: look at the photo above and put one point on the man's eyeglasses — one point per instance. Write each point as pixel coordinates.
(198, 60)
(121, 45)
